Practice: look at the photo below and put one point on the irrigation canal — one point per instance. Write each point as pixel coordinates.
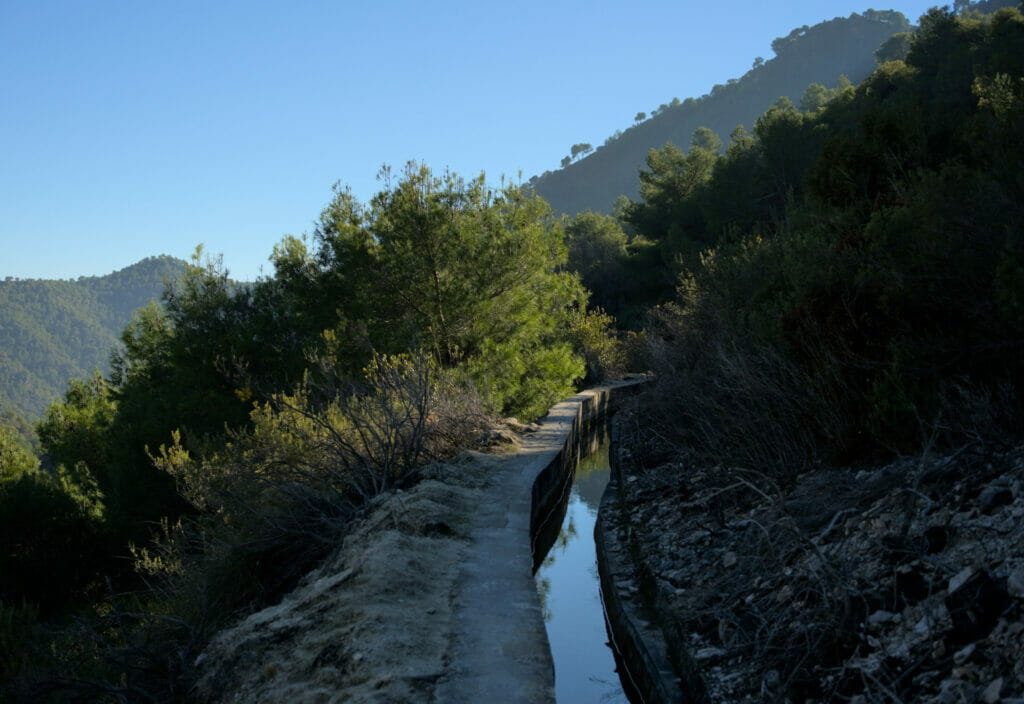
(570, 593)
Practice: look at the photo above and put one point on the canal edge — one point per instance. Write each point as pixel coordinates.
(499, 649)
(657, 663)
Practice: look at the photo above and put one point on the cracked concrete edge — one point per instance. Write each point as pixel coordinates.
(659, 670)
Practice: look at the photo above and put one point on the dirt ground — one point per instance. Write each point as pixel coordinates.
(374, 622)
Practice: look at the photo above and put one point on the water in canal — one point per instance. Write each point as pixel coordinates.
(569, 589)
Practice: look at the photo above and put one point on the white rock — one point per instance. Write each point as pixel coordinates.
(921, 627)
(960, 579)
(992, 692)
(1015, 584)
(879, 617)
(952, 692)
(963, 655)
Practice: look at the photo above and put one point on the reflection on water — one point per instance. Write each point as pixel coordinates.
(570, 597)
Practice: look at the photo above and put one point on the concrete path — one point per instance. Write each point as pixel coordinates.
(500, 650)
(407, 612)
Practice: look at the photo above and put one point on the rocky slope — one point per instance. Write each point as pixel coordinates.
(896, 583)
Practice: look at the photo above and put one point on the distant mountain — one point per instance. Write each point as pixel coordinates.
(818, 54)
(53, 330)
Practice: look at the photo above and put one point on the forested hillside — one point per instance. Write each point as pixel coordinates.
(874, 243)
(54, 330)
(818, 54)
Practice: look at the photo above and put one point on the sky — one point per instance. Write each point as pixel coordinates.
(133, 129)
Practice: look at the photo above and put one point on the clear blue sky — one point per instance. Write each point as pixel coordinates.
(130, 129)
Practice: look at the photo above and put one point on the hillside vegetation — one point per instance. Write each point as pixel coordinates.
(827, 481)
(866, 257)
(840, 285)
(818, 54)
(241, 430)
(55, 330)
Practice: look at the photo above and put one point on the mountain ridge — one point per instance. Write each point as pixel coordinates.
(52, 330)
(817, 54)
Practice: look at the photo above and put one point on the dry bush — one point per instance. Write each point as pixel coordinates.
(733, 401)
(268, 505)
(970, 412)
(286, 489)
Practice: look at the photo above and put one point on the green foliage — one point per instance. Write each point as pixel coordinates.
(668, 212)
(15, 458)
(524, 381)
(692, 201)
(464, 270)
(836, 273)
(76, 429)
(51, 547)
(735, 199)
(874, 304)
(897, 281)
(20, 428)
(787, 144)
(581, 149)
(280, 494)
(705, 139)
(177, 366)
(895, 48)
(52, 538)
(597, 253)
(815, 97)
(625, 274)
(597, 341)
(469, 274)
(84, 438)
